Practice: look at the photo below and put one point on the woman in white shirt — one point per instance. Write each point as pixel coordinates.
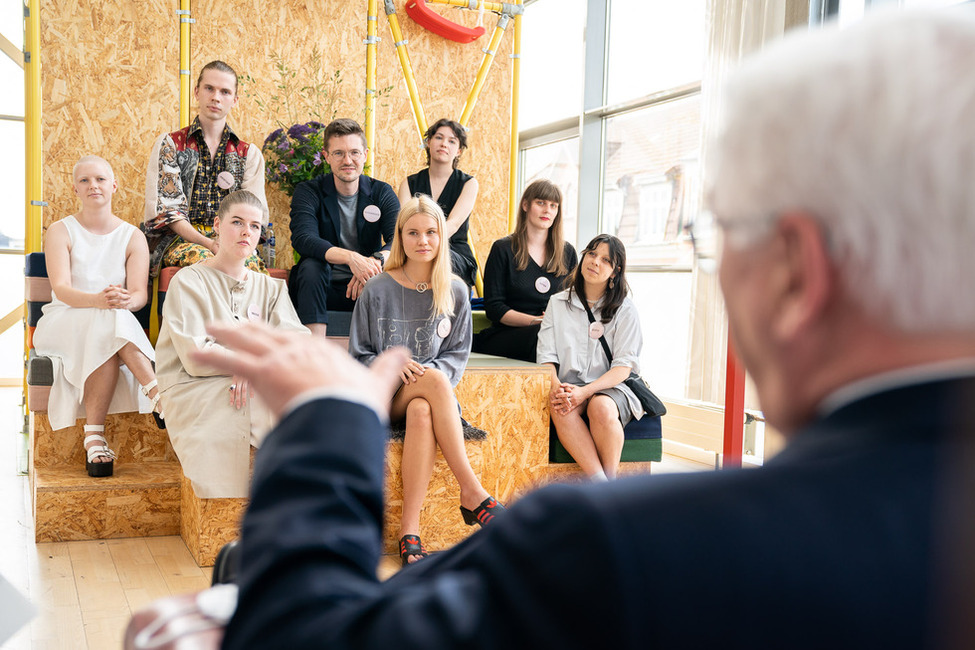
(589, 403)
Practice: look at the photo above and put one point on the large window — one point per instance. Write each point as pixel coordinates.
(616, 124)
(12, 189)
(650, 166)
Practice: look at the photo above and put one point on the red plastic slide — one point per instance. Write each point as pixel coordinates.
(434, 22)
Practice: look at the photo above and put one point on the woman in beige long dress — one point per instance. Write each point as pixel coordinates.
(211, 418)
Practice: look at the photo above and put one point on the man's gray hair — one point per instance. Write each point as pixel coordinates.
(872, 131)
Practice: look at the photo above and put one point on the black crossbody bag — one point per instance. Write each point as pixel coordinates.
(650, 402)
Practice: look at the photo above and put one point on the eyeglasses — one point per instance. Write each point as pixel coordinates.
(355, 154)
(707, 234)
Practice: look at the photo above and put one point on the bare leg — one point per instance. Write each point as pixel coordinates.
(607, 432)
(577, 440)
(99, 389)
(317, 329)
(419, 455)
(139, 365)
(435, 388)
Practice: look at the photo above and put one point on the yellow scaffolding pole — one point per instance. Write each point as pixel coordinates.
(404, 60)
(185, 20)
(32, 127)
(33, 150)
(513, 166)
(372, 38)
(486, 61)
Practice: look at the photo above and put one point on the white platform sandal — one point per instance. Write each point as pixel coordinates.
(156, 407)
(93, 433)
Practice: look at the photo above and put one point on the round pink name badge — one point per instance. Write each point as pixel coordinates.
(443, 328)
(253, 313)
(595, 330)
(542, 285)
(225, 180)
(371, 213)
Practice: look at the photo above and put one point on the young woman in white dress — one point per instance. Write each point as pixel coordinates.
(98, 266)
(418, 303)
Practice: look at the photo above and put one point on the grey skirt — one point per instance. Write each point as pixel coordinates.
(622, 403)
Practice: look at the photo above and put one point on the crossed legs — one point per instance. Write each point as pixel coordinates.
(100, 385)
(432, 420)
(596, 447)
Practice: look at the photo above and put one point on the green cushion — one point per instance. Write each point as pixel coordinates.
(634, 451)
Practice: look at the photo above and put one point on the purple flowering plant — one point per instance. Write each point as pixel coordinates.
(294, 155)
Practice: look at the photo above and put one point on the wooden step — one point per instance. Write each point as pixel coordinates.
(139, 500)
(133, 436)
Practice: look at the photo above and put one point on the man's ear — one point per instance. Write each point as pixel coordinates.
(807, 281)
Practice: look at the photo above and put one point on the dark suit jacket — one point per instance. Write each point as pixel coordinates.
(315, 221)
(830, 545)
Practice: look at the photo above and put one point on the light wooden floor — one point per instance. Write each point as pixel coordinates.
(85, 592)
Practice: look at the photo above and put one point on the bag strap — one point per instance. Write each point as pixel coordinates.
(602, 338)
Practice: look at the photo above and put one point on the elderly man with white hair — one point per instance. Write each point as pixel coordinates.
(841, 182)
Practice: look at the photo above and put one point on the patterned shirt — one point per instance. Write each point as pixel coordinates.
(206, 193)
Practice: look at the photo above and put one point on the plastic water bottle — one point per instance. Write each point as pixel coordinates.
(269, 247)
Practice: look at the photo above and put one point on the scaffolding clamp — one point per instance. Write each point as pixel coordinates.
(369, 40)
(42, 204)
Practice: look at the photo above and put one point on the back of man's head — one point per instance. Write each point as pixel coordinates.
(872, 131)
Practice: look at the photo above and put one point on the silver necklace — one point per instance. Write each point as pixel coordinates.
(420, 286)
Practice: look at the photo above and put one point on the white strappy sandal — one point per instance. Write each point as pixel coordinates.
(156, 407)
(105, 467)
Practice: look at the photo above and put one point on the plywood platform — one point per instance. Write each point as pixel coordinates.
(140, 500)
(507, 399)
(207, 524)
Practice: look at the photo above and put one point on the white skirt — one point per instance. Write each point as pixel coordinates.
(79, 341)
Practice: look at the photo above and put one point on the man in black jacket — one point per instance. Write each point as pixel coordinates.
(342, 225)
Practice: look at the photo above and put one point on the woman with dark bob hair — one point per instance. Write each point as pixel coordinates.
(453, 190)
(589, 402)
(522, 272)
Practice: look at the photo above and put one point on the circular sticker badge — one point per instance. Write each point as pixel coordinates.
(542, 285)
(253, 313)
(225, 180)
(443, 328)
(371, 213)
(595, 330)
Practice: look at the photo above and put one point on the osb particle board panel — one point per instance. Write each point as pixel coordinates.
(445, 72)
(207, 524)
(133, 436)
(109, 83)
(139, 501)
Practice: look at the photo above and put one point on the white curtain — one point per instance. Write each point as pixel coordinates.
(735, 29)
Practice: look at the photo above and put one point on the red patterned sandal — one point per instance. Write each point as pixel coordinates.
(482, 514)
(103, 467)
(410, 545)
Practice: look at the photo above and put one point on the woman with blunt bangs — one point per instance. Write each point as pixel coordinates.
(589, 402)
(417, 303)
(211, 420)
(522, 272)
